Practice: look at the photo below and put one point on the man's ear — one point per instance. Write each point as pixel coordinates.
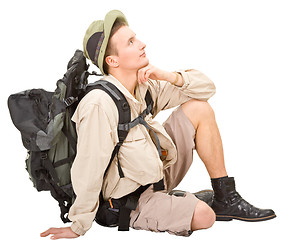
(112, 61)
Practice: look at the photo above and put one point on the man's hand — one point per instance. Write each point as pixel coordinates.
(58, 233)
(154, 73)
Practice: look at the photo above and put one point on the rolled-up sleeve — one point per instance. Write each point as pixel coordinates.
(196, 85)
(94, 149)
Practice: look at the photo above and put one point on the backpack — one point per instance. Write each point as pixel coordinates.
(49, 135)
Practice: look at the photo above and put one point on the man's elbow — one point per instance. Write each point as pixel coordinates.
(211, 91)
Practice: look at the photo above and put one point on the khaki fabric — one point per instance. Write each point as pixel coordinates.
(96, 119)
(158, 211)
(182, 132)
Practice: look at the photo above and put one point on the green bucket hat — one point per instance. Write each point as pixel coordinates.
(97, 36)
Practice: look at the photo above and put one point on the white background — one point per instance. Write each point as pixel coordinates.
(246, 47)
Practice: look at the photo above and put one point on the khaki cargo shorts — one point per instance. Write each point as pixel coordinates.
(158, 211)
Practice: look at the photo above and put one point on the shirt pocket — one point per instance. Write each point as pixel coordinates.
(135, 134)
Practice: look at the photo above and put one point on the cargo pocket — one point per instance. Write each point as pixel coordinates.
(152, 225)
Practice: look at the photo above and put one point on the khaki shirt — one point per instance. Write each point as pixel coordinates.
(96, 119)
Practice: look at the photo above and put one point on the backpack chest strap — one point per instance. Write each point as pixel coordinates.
(140, 120)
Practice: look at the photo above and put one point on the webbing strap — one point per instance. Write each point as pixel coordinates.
(49, 166)
(115, 152)
(121, 175)
(64, 161)
(105, 85)
(140, 120)
(143, 122)
(131, 202)
(158, 186)
(57, 194)
(70, 138)
(123, 114)
(136, 121)
(124, 218)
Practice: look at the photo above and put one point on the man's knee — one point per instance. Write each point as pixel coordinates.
(197, 110)
(203, 217)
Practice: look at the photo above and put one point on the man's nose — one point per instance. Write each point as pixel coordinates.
(142, 45)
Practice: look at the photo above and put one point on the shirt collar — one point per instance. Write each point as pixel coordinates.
(140, 90)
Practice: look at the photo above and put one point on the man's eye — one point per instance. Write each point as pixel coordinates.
(130, 42)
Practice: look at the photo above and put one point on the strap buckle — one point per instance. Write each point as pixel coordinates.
(70, 100)
(43, 155)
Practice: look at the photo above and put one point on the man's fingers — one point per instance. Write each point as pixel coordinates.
(64, 233)
(142, 74)
(147, 74)
(44, 234)
(50, 231)
(58, 236)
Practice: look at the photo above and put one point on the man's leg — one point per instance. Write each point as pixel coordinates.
(203, 217)
(182, 132)
(227, 204)
(208, 141)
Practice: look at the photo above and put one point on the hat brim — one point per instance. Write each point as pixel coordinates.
(109, 20)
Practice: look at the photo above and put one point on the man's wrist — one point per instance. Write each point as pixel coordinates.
(76, 229)
(169, 77)
(177, 79)
(174, 78)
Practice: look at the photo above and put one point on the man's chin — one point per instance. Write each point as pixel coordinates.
(145, 63)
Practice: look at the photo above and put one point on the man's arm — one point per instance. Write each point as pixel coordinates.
(157, 74)
(94, 148)
(172, 89)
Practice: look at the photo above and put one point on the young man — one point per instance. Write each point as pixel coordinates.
(114, 48)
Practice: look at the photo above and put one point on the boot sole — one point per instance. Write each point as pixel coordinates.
(230, 218)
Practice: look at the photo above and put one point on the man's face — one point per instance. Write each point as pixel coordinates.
(130, 51)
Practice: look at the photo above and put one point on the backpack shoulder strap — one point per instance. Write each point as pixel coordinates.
(124, 114)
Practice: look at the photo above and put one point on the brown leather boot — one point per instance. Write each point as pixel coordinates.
(228, 204)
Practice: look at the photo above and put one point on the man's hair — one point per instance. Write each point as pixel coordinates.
(110, 49)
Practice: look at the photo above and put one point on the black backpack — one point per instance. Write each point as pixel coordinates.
(49, 135)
